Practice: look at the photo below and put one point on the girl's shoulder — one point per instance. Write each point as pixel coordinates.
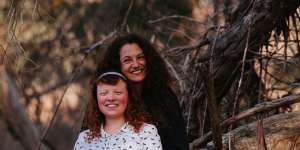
(146, 128)
(83, 135)
(149, 128)
(84, 132)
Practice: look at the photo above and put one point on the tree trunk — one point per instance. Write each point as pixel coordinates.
(15, 114)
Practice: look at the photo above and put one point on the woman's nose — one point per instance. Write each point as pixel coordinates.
(135, 63)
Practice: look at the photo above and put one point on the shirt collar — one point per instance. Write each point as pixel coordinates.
(124, 128)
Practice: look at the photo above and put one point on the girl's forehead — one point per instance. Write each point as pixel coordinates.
(119, 84)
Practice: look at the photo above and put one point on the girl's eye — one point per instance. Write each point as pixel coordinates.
(118, 93)
(102, 93)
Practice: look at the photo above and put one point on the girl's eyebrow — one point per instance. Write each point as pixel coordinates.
(101, 90)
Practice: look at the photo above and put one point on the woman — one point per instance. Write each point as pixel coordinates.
(141, 64)
(115, 120)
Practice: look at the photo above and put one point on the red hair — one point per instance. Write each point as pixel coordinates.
(134, 113)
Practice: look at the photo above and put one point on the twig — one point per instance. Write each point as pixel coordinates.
(236, 100)
(181, 32)
(34, 9)
(181, 49)
(261, 142)
(265, 106)
(88, 49)
(75, 71)
(212, 104)
(124, 22)
(172, 17)
(2, 54)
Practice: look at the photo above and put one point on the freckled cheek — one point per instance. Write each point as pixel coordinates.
(100, 101)
(124, 101)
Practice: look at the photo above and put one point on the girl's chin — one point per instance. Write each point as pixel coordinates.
(114, 116)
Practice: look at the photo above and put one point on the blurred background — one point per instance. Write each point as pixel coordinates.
(48, 56)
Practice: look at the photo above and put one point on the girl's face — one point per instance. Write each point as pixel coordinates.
(133, 63)
(112, 99)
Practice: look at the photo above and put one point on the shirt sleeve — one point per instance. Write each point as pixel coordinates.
(151, 139)
(176, 132)
(80, 142)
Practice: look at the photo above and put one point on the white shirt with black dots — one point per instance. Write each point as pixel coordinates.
(124, 139)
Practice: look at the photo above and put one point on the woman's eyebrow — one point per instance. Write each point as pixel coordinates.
(124, 57)
(140, 54)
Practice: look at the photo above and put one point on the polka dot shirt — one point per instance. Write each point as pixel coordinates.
(124, 139)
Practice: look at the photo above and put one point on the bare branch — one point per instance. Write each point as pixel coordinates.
(174, 17)
(89, 48)
(124, 22)
(182, 49)
(212, 103)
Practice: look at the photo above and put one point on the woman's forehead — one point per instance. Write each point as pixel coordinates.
(130, 48)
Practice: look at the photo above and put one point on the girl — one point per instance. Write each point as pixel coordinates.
(115, 119)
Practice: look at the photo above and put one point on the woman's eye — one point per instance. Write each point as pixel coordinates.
(126, 61)
(141, 57)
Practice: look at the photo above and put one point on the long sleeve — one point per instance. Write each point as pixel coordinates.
(178, 133)
(174, 136)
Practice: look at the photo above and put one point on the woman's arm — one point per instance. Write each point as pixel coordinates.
(176, 132)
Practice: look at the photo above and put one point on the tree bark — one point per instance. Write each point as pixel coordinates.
(281, 132)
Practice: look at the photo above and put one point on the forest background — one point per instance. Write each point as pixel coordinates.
(235, 65)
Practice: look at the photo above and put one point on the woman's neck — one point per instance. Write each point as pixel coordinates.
(113, 125)
(137, 89)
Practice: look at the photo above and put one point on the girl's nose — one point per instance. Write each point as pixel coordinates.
(110, 97)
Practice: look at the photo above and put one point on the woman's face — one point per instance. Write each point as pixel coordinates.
(133, 63)
(112, 99)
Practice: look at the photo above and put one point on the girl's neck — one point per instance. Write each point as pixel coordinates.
(113, 125)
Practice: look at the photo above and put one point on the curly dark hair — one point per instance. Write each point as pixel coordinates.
(134, 114)
(156, 94)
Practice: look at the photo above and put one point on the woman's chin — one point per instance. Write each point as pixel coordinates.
(137, 78)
